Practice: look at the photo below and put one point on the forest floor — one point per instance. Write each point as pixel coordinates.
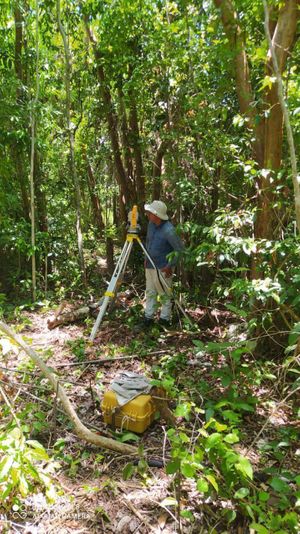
(104, 491)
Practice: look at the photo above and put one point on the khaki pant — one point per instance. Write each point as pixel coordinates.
(155, 288)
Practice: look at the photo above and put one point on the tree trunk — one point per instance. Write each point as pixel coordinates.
(128, 194)
(268, 133)
(136, 144)
(125, 137)
(95, 201)
(70, 130)
(17, 149)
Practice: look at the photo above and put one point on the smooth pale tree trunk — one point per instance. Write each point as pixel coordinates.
(285, 114)
(70, 129)
(268, 131)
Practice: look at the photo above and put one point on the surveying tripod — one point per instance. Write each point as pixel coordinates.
(116, 279)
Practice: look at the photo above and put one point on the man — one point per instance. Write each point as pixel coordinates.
(161, 241)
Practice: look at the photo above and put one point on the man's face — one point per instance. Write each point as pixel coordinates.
(153, 218)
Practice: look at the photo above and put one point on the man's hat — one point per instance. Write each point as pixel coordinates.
(158, 208)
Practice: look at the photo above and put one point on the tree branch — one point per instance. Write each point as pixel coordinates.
(81, 430)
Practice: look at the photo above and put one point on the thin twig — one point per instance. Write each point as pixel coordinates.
(10, 407)
(104, 360)
(139, 515)
(269, 417)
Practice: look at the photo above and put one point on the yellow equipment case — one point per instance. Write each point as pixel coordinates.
(136, 415)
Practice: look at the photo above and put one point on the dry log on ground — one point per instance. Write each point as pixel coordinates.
(69, 317)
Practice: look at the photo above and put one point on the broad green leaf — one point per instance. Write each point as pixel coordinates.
(231, 438)
(173, 466)
(220, 427)
(187, 514)
(279, 485)
(237, 311)
(129, 436)
(202, 485)
(23, 485)
(245, 467)
(5, 467)
(213, 482)
(213, 440)
(294, 334)
(241, 493)
(128, 471)
(263, 496)
(188, 470)
(260, 529)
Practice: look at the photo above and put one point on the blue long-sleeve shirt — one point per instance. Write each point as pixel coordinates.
(162, 240)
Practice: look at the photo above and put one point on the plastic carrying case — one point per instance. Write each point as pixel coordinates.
(136, 415)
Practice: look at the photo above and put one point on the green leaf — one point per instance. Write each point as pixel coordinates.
(231, 438)
(188, 470)
(213, 440)
(187, 514)
(279, 485)
(5, 467)
(263, 496)
(220, 427)
(260, 529)
(199, 344)
(294, 334)
(23, 486)
(202, 485)
(173, 466)
(245, 467)
(183, 410)
(128, 471)
(218, 347)
(213, 482)
(241, 493)
(128, 436)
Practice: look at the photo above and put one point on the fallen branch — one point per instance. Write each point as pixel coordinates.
(139, 515)
(105, 360)
(69, 317)
(81, 430)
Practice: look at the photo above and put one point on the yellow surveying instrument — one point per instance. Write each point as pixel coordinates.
(116, 279)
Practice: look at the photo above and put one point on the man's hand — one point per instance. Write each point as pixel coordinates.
(167, 270)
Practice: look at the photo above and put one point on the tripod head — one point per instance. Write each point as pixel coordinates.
(133, 217)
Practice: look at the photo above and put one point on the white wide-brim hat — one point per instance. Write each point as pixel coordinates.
(158, 208)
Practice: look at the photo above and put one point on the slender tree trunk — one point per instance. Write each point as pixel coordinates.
(33, 120)
(136, 144)
(95, 201)
(17, 149)
(157, 170)
(70, 129)
(128, 193)
(125, 137)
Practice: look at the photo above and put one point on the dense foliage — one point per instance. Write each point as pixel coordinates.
(143, 99)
